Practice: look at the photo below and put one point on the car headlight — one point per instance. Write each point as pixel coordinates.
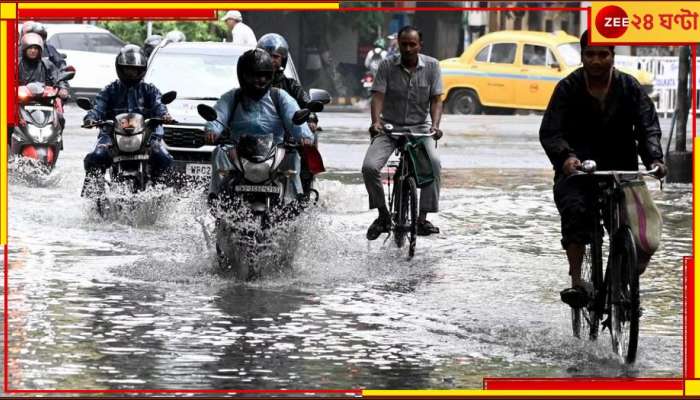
(129, 144)
(257, 172)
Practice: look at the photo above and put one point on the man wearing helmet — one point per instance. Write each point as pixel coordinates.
(277, 47)
(256, 108)
(127, 94)
(33, 68)
(50, 51)
(150, 44)
(376, 56)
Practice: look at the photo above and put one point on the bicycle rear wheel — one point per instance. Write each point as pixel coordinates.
(586, 320)
(624, 296)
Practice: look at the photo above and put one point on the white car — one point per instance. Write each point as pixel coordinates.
(91, 50)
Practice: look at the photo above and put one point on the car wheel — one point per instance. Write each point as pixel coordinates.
(464, 101)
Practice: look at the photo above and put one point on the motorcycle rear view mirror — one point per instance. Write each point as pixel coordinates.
(67, 73)
(84, 103)
(168, 97)
(207, 112)
(314, 106)
(301, 116)
(320, 95)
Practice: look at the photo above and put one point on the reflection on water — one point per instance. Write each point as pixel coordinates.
(113, 305)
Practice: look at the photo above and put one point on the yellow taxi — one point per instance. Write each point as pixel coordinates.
(509, 70)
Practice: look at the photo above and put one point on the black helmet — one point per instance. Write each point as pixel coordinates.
(150, 44)
(275, 43)
(131, 56)
(35, 27)
(254, 63)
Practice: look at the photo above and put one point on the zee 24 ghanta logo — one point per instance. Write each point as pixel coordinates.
(612, 21)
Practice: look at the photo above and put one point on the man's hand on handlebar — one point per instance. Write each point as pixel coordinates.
(63, 94)
(436, 132)
(661, 169)
(211, 137)
(376, 129)
(88, 123)
(307, 142)
(571, 165)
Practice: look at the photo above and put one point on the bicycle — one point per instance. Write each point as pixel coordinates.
(617, 292)
(403, 200)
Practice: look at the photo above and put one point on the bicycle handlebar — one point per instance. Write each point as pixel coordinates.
(390, 130)
(651, 172)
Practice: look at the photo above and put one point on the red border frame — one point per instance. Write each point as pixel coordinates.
(489, 383)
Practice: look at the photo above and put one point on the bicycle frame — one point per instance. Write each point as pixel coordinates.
(616, 289)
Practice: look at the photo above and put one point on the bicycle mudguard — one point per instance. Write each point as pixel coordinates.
(313, 159)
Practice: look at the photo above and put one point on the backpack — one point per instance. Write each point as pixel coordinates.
(274, 94)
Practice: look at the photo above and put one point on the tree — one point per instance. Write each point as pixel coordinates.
(135, 32)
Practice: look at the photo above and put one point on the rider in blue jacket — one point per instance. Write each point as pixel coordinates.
(128, 94)
(257, 109)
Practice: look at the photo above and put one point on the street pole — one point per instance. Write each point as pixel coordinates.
(680, 161)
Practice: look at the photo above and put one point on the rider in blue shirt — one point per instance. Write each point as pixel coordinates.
(257, 109)
(128, 94)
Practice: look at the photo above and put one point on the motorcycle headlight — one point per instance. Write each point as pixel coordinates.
(257, 172)
(36, 133)
(129, 144)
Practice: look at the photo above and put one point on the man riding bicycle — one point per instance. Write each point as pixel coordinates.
(405, 89)
(602, 114)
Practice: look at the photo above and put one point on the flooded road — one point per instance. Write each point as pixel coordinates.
(135, 303)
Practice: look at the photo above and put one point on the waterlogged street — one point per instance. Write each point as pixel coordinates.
(135, 302)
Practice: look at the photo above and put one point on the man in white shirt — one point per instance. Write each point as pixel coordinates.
(241, 33)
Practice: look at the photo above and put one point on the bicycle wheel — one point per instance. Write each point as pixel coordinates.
(399, 211)
(411, 196)
(624, 296)
(586, 320)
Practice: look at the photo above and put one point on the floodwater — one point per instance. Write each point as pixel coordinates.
(135, 302)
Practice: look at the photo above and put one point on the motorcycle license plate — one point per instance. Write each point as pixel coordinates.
(257, 189)
(198, 169)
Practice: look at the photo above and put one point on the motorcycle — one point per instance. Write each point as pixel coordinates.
(256, 193)
(38, 136)
(130, 170)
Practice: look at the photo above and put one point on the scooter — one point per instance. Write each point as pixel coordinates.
(38, 136)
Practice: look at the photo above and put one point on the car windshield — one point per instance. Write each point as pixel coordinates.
(571, 52)
(196, 75)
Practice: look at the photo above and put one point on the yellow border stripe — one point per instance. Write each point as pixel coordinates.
(692, 388)
(559, 393)
(188, 6)
(3, 132)
(8, 10)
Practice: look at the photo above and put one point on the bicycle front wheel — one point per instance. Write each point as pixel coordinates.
(586, 320)
(412, 196)
(624, 296)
